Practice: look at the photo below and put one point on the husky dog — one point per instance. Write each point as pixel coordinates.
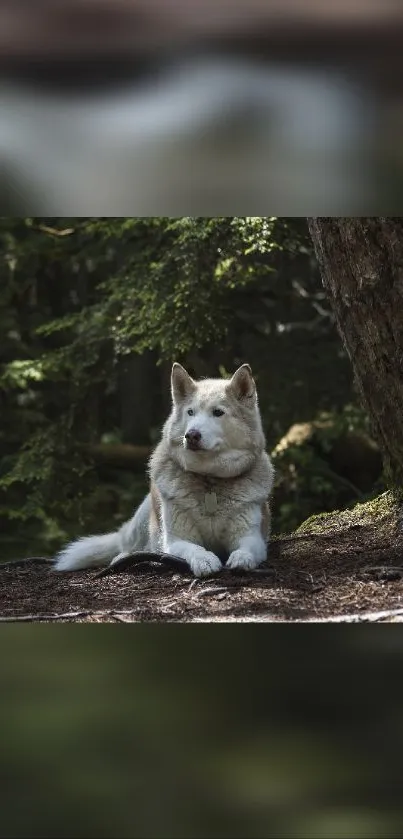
(210, 481)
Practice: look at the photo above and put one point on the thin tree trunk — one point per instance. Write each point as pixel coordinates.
(138, 388)
(361, 261)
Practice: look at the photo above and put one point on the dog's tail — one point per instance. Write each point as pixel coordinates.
(88, 552)
(91, 551)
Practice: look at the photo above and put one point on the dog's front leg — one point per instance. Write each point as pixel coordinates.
(248, 551)
(247, 540)
(181, 537)
(201, 562)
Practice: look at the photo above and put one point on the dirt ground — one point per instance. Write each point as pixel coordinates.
(351, 572)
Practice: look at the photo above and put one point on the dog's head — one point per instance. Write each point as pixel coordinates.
(215, 426)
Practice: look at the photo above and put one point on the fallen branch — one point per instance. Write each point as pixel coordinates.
(117, 455)
(38, 560)
(363, 617)
(143, 558)
(382, 572)
(211, 590)
(139, 558)
(32, 618)
(113, 613)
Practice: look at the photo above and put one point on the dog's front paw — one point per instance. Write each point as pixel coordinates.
(242, 560)
(204, 563)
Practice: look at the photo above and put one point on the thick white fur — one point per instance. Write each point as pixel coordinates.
(231, 466)
(91, 551)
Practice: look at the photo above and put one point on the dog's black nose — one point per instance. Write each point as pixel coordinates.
(193, 436)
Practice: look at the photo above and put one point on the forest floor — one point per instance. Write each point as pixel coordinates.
(340, 567)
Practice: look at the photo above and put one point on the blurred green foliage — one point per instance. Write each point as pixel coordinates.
(192, 732)
(84, 300)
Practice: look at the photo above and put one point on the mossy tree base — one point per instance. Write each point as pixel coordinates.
(385, 509)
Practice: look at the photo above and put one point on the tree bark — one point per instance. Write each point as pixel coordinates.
(139, 397)
(361, 262)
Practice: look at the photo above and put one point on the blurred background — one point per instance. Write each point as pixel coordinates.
(201, 732)
(92, 313)
(200, 107)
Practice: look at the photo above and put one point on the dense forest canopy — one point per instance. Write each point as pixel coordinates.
(92, 313)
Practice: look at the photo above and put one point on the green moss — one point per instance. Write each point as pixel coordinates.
(315, 522)
(379, 508)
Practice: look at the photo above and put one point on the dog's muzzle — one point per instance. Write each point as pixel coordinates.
(193, 440)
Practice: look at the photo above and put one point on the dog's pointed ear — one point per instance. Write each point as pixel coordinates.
(182, 385)
(242, 384)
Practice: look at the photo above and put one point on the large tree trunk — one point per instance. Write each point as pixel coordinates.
(361, 261)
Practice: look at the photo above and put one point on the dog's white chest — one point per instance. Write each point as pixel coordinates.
(210, 503)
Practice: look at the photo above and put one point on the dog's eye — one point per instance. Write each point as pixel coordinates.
(217, 412)
(191, 412)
